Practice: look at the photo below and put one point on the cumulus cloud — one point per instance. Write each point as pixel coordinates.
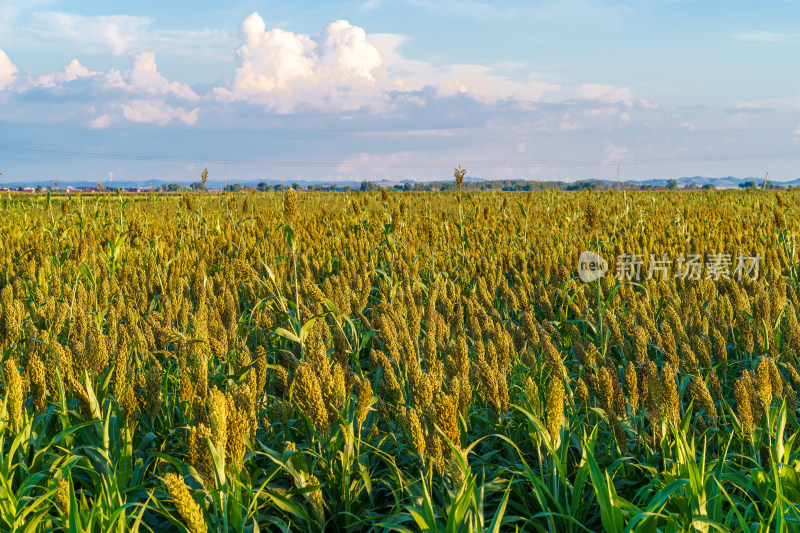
(344, 68)
(143, 76)
(139, 93)
(71, 72)
(286, 71)
(157, 112)
(8, 72)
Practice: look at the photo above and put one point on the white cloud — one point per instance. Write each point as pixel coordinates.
(117, 32)
(143, 76)
(71, 72)
(344, 68)
(125, 34)
(567, 124)
(103, 121)
(156, 112)
(286, 71)
(604, 93)
(768, 37)
(615, 155)
(8, 72)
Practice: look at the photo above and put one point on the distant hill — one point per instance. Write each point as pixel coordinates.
(728, 182)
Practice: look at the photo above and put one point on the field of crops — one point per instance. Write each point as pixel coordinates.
(399, 362)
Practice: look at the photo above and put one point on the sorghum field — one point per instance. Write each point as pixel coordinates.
(397, 362)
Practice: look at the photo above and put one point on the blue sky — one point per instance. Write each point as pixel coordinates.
(398, 89)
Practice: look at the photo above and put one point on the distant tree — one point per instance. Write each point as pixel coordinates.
(197, 186)
(38, 189)
(749, 184)
(368, 186)
(296, 186)
(708, 187)
(280, 187)
(690, 185)
(262, 186)
(672, 184)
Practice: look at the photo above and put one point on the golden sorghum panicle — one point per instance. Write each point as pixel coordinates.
(532, 395)
(555, 407)
(669, 394)
(36, 372)
(62, 495)
(152, 392)
(13, 393)
(721, 351)
(290, 210)
(308, 396)
(714, 385)
(235, 429)
(187, 508)
(315, 498)
(764, 384)
(217, 418)
(702, 399)
(199, 454)
(591, 215)
(775, 379)
(459, 174)
(185, 388)
(447, 418)
(606, 389)
(669, 346)
(641, 338)
(650, 394)
(688, 359)
(417, 434)
(364, 400)
(553, 358)
(744, 410)
(581, 393)
(631, 385)
(129, 406)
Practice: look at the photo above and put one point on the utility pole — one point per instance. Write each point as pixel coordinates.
(764, 187)
(226, 176)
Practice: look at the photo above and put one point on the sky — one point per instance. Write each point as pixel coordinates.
(403, 89)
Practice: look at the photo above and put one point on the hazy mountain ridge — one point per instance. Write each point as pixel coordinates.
(699, 181)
